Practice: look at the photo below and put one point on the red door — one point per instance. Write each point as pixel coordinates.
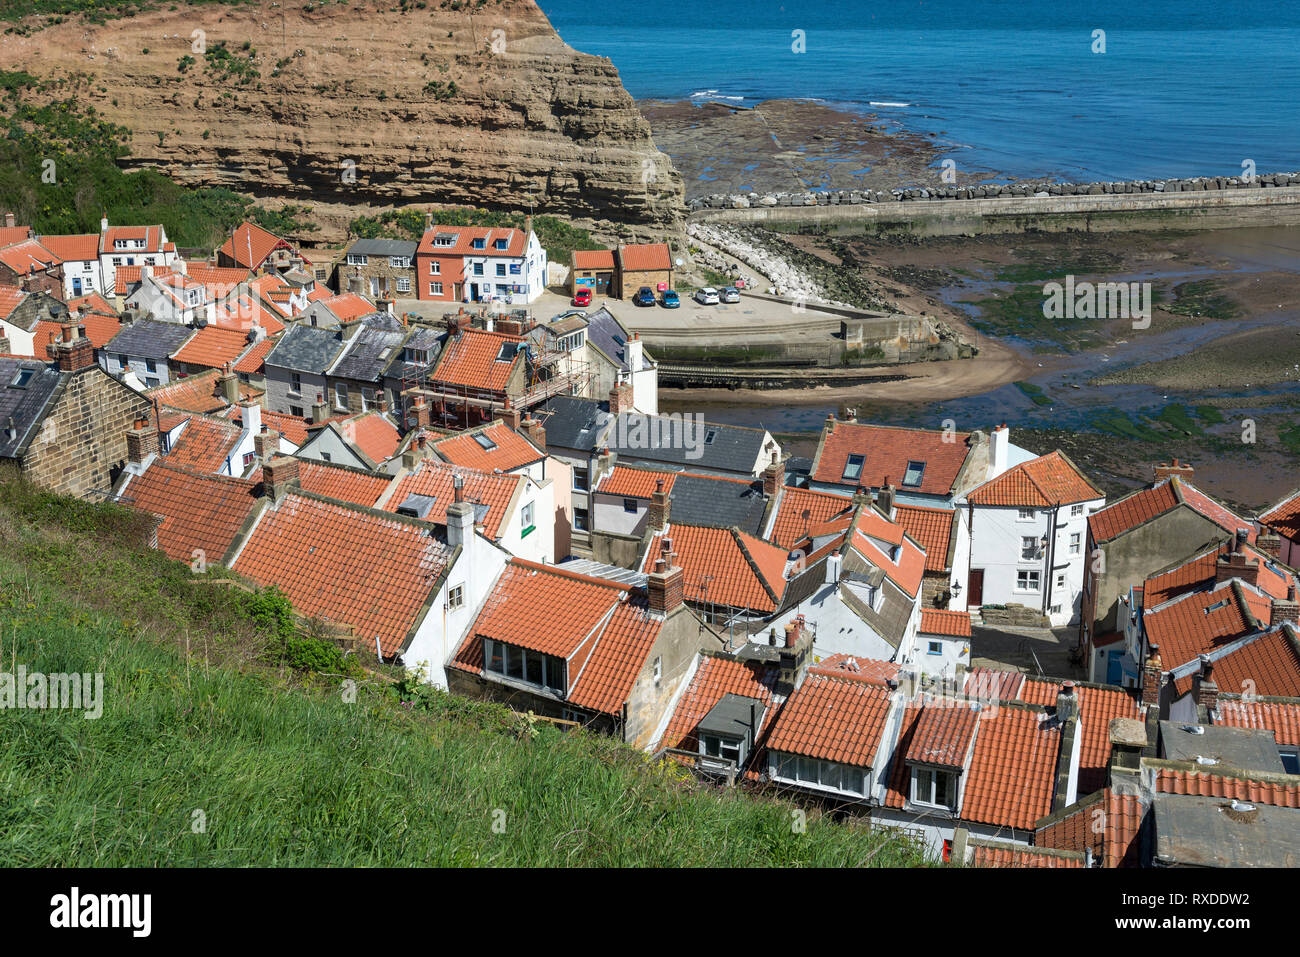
(976, 585)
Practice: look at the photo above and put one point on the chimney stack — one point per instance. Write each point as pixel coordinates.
(1236, 564)
(250, 411)
(830, 423)
(74, 352)
(266, 444)
(620, 398)
(509, 415)
(460, 516)
(6, 347)
(660, 506)
(1152, 678)
(421, 413)
(1183, 469)
(278, 476)
(320, 410)
(1269, 542)
(141, 441)
(773, 476)
(229, 384)
(1285, 609)
(793, 629)
(666, 584)
(535, 431)
(9, 220)
(1206, 691)
(1067, 703)
(885, 498)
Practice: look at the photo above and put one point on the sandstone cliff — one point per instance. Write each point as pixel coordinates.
(353, 105)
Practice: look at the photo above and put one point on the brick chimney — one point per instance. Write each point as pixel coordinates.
(509, 415)
(1152, 677)
(1269, 542)
(665, 586)
(278, 476)
(266, 444)
(1236, 564)
(421, 413)
(659, 507)
(535, 431)
(1205, 691)
(1285, 609)
(772, 477)
(6, 347)
(229, 384)
(320, 410)
(73, 352)
(1164, 470)
(1067, 702)
(830, 423)
(793, 631)
(141, 441)
(620, 398)
(885, 498)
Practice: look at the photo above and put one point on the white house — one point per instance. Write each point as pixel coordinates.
(170, 298)
(1028, 538)
(81, 269)
(131, 246)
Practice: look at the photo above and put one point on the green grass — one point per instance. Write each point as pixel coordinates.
(558, 237)
(284, 770)
(1034, 392)
(1178, 417)
(1201, 298)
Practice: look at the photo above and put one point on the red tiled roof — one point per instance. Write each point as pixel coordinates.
(1205, 783)
(1200, 622)
(76, 248)
(374, 434)
(935, 621)
(200, 512)
(1012, 775)
(92, 305)
(348, 306)
(198, 393)
(1114, 843)
(985, 856)
(942, 733)
(1280, 717)
(869, 531)
(219, 280)
(853, 668)
(16, 234)
(28, 257)
(717, 569)
(833, 720)
(437, 481)
(130, 275)
(465, 235)
(715, 678)
(204, 445)
(931, 528)
(799, 510)
(10, 298)
(470, 359)
(1048, 480)
(250, 237)
(252, 362)
(634, 482)
(244, 311)
(993, 684)
(1284, 517)
(512, 450)
(1097, 707)
(619, 655)
(1268, 665)
(99, 330)
(340, 482)
(1199, 572)
(646, 256)
(212, 346)
(593, 259)
(886, 452)
(1147, 503)
(362, 568)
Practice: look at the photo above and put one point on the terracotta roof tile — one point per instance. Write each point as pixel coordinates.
(646, 256)
(348, 565)
(250, 244)
(253, 361)
(338, 482)
(1199, 622)
(1097, 707)
(16, 234)
(152, 236)
(99, 330)
(75, 248)
(471, 360)
(886, 452)
(510, 450)
(634, 482)
(1048, 480)
(376, 436)
(715, 678)
(1266, 665)
(92, 304)
(1114, 843)
(853, 668)
(931, 528)
(1142, 506)
(198, 393)
(1205, 783)
(202, 512)
(993, 684)
(212, 346)
(876, 537)
(437, 480)
(1280, 717)
(28, 257)
(833, 720)
(717, 569)
(1283, 518)
(942, 733)
(620, 653)
(124, 276)
(984, 855)
(1012, 774)
(10, 298)
(593, 259)
(800, 510)
(348, 306)
(205, 445)
(935, 621)
(465, 235)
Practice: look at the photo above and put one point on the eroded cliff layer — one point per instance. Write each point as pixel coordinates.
(368, 104)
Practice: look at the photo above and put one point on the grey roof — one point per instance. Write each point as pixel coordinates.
(1211, 832)
(383, 247)
(26, 405)
(574, 423)
(1248, 749)
(734, 716)
(608, 335)
(421, 337)
(624, 576)
(368, 353)
(305, 349)
(149, 339)
(685, 442)
(705, 500)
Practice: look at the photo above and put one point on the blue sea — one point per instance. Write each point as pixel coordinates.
(1190, 88)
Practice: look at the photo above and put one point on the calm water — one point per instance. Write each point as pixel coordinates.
(1183, 89)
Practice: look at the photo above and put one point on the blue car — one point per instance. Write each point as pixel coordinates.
(645, 296)
(670, 300)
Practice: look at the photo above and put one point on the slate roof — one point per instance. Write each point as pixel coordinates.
(149, 339)
(368, 353)
(713, 500)
(686, 443)
(305, 349)
(422, 338)
(573, 423)
(384, 247)
(608, 335)
(26, 405)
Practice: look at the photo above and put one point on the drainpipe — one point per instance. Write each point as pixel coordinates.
(1050, 552)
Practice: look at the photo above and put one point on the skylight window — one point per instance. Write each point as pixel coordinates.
(484, 441)
(508, 352)
(915, 471)
(853, 468)
(23, 377)
(709, 436)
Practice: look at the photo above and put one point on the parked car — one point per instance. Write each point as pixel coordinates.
(731, 294)
(582, 297)
(670, 300)
(708, 296)
(645, 296)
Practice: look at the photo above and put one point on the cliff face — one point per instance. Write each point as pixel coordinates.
(355, 105)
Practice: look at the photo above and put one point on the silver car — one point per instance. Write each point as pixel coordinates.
(730, 294)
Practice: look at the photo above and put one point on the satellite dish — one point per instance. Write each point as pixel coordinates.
(678, 261)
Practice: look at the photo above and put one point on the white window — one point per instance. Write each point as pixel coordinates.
(399, 262)
(1028, 581)
(456, 597)
(367, 399)
(404, 284)
(1076, 543)
(435, 268)
(1076, 511)
(1028, 547)
(1027, 514)
(659, 668)
(356, 260)
(435, 289)
(341, 394)
(934, 788)
(526, 516)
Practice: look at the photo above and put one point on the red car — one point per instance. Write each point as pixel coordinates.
(582, 297)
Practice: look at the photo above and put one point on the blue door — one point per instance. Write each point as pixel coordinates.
(76, 285)
(1114, 670)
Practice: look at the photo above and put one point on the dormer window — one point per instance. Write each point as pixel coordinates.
(853, 468)
(23, 377)
(912, 477)
(526, 665)
(934, 788)
(445, 239)
(478, 244)
(501, 244)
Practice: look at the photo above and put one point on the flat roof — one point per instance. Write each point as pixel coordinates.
(1199, 831)
(1246, 749)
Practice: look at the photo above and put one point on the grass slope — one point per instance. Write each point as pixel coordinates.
(287, 772)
